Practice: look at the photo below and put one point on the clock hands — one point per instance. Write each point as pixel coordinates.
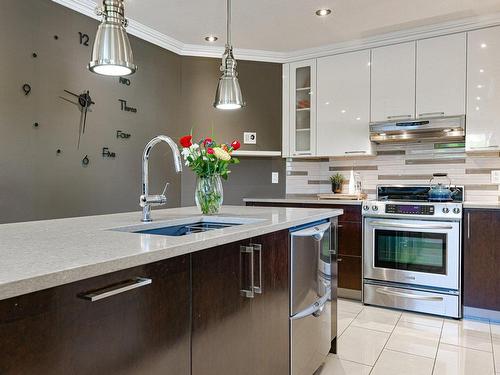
(84, 102)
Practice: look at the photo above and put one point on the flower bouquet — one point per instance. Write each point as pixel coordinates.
(210, 162)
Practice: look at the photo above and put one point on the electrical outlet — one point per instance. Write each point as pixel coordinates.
(495, 177)
(250, 138)
(275, 177)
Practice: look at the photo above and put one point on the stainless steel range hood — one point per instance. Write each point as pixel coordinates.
(431, 129)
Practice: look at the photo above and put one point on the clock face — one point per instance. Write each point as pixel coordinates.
(83, 102)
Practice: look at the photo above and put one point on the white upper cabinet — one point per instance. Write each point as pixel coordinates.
(302, 95)
(343, 103)
(393, 82)
(483, 90)
(441, 74)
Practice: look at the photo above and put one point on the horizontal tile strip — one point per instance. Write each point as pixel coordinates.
(435, 161)
(391, 152)
(318, 182)
(481, 187)
(296, 173)
(355, 168)
(405, 177)
(479, 170)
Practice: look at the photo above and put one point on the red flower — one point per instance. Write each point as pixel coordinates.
(210, 150)
(235, 145)
(186, 141)
(207, 141)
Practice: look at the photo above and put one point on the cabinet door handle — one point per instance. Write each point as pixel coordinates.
(354, 152)
(398, 116)
(258, 248)
(115, 289)
(248, 293)
(468, 225)
(431, 114)
(339, 259)
(484, 147)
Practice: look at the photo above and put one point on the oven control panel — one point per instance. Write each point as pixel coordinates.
(405, 209)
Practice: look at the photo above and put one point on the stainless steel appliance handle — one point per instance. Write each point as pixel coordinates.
(115, 289)
(248, 293)
(390, 292)
(411, 226)
(316, 231)
(398, 116)
(316, 309)
(258, 248)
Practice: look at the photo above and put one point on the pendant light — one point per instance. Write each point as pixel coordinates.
(228, 94)
(111, 53)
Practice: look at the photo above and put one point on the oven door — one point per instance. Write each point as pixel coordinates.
(417, 252)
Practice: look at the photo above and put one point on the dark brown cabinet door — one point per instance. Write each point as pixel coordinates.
(349, 268)
(233, 334)
(482, 259)
(140, 331)
(349, 238)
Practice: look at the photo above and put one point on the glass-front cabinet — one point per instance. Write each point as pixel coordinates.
(302, 102)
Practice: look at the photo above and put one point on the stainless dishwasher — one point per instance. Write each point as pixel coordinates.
(311, 294)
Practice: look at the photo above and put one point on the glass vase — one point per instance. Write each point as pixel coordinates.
(208, 194)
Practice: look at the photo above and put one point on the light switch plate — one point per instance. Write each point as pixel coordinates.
(250, 138)
(275, 177)
(495, 177)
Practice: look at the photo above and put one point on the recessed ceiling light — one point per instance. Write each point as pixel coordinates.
(484, 45)
(323, 12)
(211, 38)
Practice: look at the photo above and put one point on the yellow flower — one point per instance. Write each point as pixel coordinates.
(221, 154)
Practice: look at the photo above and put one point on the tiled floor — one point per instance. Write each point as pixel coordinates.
(376, 341)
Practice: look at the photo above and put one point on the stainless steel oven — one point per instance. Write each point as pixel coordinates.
(412, 251)
(418, 252)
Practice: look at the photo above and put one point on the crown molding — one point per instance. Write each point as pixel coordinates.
(87, 7)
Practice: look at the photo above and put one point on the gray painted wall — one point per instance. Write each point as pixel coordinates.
(172, 94)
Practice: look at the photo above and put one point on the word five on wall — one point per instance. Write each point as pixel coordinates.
(125, 107)
(84, 39)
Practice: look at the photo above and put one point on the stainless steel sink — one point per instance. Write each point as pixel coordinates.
(185, 227)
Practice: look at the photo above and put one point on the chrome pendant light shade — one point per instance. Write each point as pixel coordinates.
(228, 94)
(111, 53)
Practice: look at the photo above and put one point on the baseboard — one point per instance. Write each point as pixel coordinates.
(483, 314)
(349, 293)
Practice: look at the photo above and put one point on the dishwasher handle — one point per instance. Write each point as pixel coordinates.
(316, 309)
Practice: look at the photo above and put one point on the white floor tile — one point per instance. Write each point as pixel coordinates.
(495, 330)
(344, 318)
(361, 345)
(395, 363)
(496, 353)
(455, 360)
(377, 319)
(336, 366)
(349, 305)
(467, 333)
(423, 319)
(415, 339)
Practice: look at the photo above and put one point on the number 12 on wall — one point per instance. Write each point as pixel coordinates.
(84, 38)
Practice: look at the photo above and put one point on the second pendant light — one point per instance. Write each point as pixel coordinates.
(228, 94)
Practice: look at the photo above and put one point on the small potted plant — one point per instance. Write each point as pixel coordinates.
(337, 180)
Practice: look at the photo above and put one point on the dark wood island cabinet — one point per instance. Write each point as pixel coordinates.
(349, 243)
(482, 259)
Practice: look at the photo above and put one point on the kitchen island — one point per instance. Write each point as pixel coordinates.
(89, 295)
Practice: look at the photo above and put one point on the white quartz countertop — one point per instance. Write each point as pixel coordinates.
(490, 206)
(304, 200)
(42, 254)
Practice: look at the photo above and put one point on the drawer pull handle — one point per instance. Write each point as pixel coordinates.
(389, 292)
(258, 249)
(431, 114)
(115, 289)
(398, 116)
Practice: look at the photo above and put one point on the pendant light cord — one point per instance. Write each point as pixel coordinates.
(228, 23)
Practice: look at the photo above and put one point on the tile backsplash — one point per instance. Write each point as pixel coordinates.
(412, 163)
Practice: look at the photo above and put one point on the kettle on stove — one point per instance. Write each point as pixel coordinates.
(439, 192)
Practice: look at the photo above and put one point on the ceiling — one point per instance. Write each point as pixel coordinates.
(289, 25)
(288, 30)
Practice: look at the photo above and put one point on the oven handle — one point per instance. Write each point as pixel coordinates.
(389, 292)
(410, 226)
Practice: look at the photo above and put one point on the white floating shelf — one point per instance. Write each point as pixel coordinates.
(257, 153)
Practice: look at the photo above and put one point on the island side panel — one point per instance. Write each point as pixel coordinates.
(141, 331)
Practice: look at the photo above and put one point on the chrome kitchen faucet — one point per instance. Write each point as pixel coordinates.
(146, 200)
